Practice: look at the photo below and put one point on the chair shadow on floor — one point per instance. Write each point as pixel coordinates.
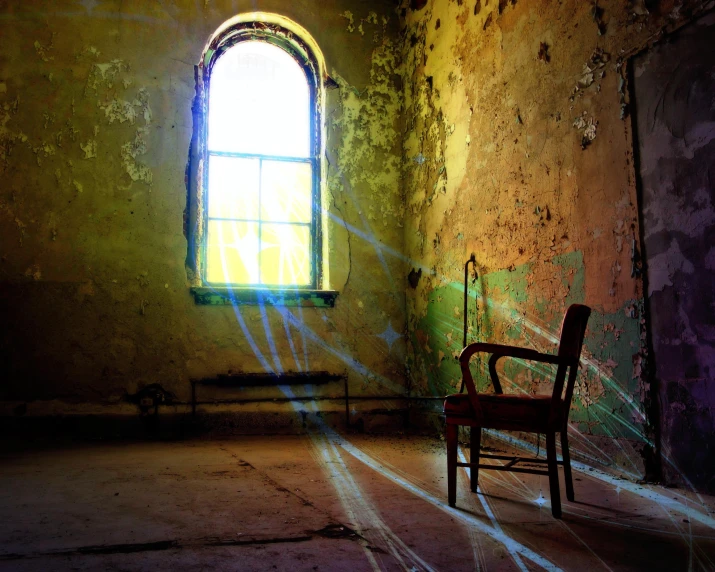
(495, 494)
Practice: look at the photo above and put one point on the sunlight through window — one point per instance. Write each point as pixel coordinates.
(261, 172)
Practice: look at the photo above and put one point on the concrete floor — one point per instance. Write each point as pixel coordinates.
(325, 502)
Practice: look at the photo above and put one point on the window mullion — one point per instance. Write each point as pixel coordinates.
(260, 218)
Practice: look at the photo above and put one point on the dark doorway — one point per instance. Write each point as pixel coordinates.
(674, 85)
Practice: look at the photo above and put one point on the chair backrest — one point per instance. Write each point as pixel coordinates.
(573, 330)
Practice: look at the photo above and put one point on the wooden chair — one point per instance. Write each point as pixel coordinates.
(538, 414)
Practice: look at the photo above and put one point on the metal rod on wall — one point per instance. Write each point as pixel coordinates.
(473, 261)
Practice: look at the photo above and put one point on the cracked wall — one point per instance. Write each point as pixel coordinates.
(95, 127)
(518, 147)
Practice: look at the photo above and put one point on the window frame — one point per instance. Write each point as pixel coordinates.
(196, 217)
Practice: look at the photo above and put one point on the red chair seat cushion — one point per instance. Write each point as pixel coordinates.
(502, 411)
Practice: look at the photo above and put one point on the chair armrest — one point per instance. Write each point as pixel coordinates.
(499, 351)
(507, 351)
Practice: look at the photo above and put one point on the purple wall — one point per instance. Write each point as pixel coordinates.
(675, 115)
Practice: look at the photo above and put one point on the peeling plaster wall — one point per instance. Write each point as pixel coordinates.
(95, 126)
(674, 89)
(495, 127)
(518, 148)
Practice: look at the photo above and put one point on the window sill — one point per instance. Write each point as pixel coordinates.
(207, 296)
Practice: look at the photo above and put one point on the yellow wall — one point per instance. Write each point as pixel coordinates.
(95, 126)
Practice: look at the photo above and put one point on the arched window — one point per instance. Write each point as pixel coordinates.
(258, 150)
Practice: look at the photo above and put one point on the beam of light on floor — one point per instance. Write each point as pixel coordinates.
(355, 503)
(487, 509)
(641, 490)
(350, 498)
(513, 546)
(348, 490)
(332, 466)
(352, 494)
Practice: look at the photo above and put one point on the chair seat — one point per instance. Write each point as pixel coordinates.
(503, 411)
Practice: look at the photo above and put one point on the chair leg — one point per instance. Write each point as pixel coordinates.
(553, 474)
(452, 464)
(567, 464)
(475, 441)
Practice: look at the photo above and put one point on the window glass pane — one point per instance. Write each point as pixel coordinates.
(232, 252)
(285, 255)
(259, 102)
(233, 187)
(286, 190)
